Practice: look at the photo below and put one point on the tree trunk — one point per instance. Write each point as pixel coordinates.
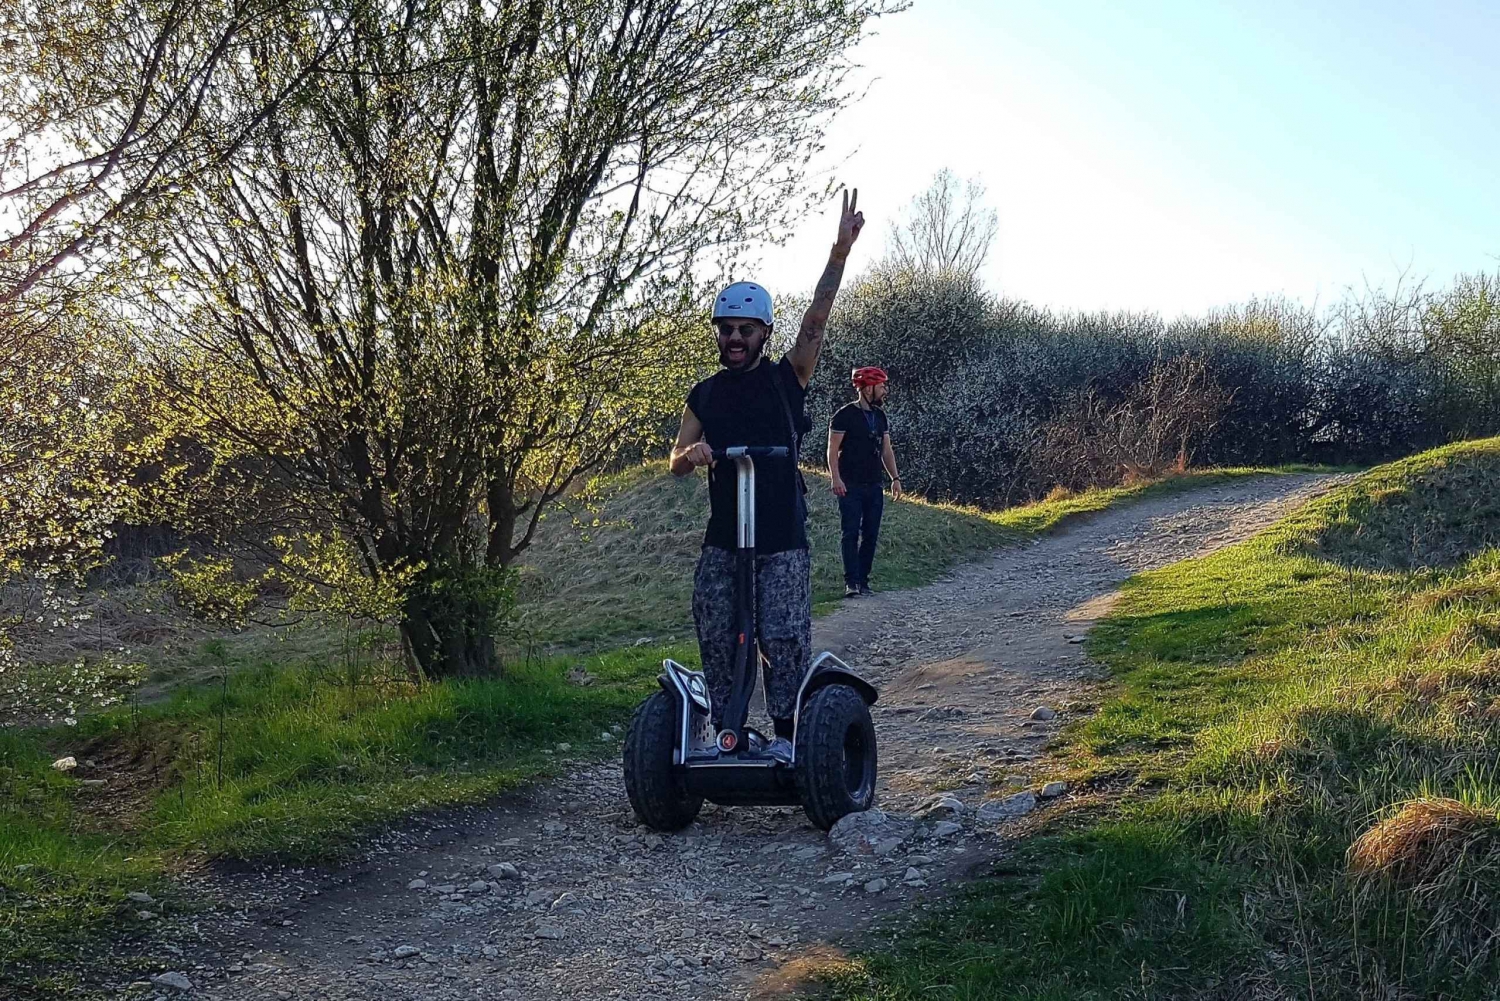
(448, 635)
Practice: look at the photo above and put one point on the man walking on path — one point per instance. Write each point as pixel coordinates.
(751, 401)
(859, 454)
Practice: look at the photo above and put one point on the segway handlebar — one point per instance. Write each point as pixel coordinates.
(752, 452)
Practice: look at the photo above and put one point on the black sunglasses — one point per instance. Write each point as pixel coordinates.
(745, 330)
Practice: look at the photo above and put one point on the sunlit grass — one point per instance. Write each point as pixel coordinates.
(1308, 750)
(294, 762)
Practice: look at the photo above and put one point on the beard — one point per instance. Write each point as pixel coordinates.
(750, 357)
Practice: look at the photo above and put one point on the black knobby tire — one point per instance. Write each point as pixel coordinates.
(836, 759)
(652, 782)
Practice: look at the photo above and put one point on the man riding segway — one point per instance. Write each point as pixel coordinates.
(752, 594)
(752, 401)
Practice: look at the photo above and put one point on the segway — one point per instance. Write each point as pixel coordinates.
(673, 758)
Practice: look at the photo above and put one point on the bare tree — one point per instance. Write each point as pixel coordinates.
(947, 228)
(450, 278)
(108, 109)
(1158, 425)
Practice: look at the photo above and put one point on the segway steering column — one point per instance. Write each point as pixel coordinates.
(747, 649)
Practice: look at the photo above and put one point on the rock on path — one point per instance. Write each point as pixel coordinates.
(556, 893)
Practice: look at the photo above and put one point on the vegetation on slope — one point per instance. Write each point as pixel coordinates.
(276, 760)
(1303, 729)
(621, 566)
(292, 751)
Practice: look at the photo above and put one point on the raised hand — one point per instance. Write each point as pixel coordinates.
(851, 221)
(804, 353)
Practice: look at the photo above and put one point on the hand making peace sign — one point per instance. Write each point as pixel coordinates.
(851, 221)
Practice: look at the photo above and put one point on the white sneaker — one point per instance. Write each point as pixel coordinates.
(781, 750)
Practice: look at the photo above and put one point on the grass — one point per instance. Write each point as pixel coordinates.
(310, 758)
(1301, 756)
(618, 564)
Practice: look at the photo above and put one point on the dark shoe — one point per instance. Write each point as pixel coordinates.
(755, 741)
(850, 591)
(781, 750)
(865, 589)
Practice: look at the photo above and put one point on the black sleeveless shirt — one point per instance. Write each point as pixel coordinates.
(743, 408)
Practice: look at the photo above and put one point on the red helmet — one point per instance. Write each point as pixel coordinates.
(869, 376)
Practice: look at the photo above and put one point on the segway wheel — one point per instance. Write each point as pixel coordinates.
(835, 755)
(652, 782)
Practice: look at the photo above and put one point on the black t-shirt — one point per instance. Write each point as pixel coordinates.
(744, 409)
(859, 452)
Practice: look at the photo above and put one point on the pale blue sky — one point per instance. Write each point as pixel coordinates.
(1175, 156)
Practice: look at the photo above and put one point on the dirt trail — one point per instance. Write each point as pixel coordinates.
(557, 894)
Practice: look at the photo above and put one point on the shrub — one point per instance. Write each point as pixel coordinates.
(994, 401)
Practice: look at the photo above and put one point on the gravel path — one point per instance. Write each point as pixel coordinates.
(555, 893)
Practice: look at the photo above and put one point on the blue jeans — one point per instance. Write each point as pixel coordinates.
(859, 514)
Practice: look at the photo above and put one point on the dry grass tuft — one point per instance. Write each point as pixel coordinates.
(1472, 679)
(1475, 631)
(1438, 861)
(814, 966)
(1481, 591)
(1135, 474)
(1271, 750)
(1424, 839)
(1432, 685)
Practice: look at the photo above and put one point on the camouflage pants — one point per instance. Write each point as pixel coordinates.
(784, 614)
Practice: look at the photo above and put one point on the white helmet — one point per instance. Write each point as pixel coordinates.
(745, 299)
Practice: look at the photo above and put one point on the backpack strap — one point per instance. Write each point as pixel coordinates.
(705, 394)
(791, 429)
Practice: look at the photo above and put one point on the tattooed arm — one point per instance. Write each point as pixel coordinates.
(804, 354)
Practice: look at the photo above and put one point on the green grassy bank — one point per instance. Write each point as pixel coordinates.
(1292, 791)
